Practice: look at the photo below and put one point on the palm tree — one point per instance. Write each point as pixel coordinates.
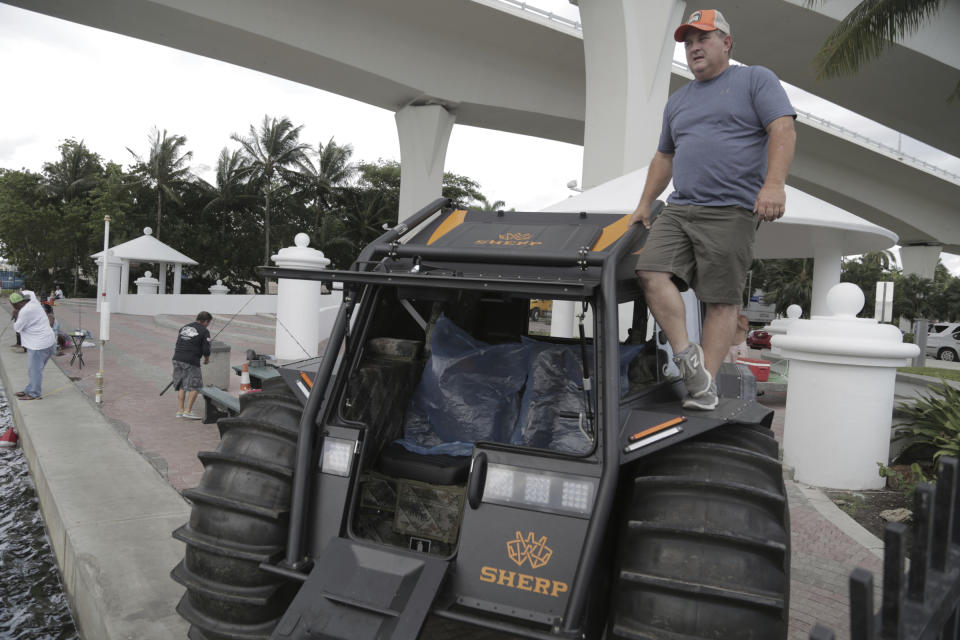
(496, 205)
(319, 180)
(77, 171)
(68, 181)
(333, 163)
(871, 27)
(230, 191)
(165, 169)
(274, 152)
(882, 259)
(364, 214)
(788, 281)
(329, 237)
(912, 297)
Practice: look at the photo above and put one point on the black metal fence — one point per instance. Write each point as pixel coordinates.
(924, 602)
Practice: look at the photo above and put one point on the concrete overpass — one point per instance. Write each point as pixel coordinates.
(473, 62)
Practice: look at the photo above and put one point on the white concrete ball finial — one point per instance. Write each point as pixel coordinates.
(301, 240)
(147, 231)
(147, 274)
(219, 283)
(794, 311)
(845, 299)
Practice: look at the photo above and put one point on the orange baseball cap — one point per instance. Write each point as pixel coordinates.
(704, 20)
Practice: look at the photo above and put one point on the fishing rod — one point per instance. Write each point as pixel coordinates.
(170, 384)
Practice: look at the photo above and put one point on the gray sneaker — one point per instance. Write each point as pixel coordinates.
(189, 415)
(695, 375)
(705, 401)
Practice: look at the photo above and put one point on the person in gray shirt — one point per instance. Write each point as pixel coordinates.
(727, 142)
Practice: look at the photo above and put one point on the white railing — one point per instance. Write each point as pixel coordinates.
(897, 154)
(543, 13)
(804, 116)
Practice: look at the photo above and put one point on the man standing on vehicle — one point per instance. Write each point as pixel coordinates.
(193, 341)
(727, 141)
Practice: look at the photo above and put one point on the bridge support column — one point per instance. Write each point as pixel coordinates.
(920, 259)
(628, 49)
(827, 262)
(424, 132)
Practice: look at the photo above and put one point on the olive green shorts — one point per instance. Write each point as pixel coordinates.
(708, 249)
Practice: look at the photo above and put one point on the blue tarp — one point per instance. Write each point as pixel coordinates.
(470, 391)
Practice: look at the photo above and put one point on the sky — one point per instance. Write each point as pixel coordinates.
(63, 80)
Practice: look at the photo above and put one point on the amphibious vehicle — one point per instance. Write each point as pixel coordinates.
(440, 460)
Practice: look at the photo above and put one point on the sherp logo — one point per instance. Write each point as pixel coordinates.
(526, 549)
(511, 239)
(534, 550)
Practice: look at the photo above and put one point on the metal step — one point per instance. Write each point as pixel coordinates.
(359, 591)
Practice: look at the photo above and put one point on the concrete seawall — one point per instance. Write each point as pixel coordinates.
(108, 512)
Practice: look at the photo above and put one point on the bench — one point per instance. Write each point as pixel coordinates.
(217, 404)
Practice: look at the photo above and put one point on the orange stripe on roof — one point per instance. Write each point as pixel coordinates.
(453, 221)
(611, 233)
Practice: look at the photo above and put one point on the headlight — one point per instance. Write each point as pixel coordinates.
(337, 456)
(540, 490)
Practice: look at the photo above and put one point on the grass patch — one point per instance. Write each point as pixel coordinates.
(947, 374)
(850, 503)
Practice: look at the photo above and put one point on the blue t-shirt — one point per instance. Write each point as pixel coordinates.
(716, 131)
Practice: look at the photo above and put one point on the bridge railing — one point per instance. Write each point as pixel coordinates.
(924, 602)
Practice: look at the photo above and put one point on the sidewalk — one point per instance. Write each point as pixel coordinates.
(86, 460)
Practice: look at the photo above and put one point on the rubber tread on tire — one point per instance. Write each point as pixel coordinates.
(704, 549)
(240, 519)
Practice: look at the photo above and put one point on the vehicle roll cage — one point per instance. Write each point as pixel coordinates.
(595, 273)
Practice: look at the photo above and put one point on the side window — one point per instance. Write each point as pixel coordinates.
(956, 335)
(540, 313)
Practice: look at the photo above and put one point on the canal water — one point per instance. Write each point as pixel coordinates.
(32, 603)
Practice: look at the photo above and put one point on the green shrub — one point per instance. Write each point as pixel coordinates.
(931, 423)
(905, 479)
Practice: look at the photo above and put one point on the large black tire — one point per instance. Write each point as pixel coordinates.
(705, 547)
(240, 519)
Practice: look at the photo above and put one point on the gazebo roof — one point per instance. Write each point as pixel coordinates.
(146, 248)
(790, 237)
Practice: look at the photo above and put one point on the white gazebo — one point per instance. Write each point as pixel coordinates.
(147, 249)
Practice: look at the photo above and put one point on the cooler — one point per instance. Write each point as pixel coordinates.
(759, 368)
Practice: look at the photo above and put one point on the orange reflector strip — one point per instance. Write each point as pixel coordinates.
(656, 428)
(306, 379)
(611, 233)
(453, 221)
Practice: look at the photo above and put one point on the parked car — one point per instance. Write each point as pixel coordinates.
(758, 339)
(943, 341)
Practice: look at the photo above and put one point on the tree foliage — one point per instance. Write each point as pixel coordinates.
(166, 169)
(263, 192)
(274, 152)
(785, 282)
(868, 30)
(791, 282)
